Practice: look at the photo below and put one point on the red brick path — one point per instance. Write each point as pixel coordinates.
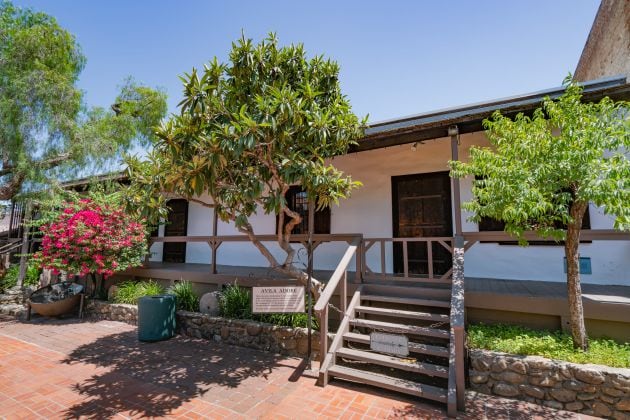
(71, 369)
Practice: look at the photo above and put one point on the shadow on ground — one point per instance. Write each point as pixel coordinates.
(153, 379)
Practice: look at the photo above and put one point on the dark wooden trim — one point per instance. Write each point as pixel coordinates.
(470, 120)
(167, 248)
(587, 235)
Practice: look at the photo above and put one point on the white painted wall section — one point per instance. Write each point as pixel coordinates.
(369, 211)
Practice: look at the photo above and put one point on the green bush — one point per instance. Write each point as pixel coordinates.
(129, 292)
(187, 299)
(289, 320)
(236, 303)
(11, 276)
(551, 344)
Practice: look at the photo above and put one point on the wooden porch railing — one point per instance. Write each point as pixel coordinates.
(216, 241)
(472, 238)
(382, 274)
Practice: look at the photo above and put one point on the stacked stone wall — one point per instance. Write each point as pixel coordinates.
(588, 389)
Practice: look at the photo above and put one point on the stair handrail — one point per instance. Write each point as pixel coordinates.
(344, 327)
(456, 374)
(339, 277)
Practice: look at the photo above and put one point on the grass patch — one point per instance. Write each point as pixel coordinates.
(129, 292)
(551, 344)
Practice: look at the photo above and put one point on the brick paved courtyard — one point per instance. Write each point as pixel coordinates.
(71, 369)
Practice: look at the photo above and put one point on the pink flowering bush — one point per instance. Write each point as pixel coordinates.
(87, 237)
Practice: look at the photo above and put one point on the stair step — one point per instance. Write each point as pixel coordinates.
(420, 292)
(382, 381)
(407, 301)
(400, 328)
(413, 347)
(402, 314)
(394, 362)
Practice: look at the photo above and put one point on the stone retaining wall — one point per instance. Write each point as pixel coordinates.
(256, 335)
(588, 389)
(101, 310)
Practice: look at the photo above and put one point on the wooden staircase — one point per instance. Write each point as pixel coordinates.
(407, 338)
(419, 313)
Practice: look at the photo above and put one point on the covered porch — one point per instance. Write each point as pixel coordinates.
(533, 303)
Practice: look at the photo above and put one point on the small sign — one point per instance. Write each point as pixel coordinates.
(389, 343)
(585, 265)
(278, 299)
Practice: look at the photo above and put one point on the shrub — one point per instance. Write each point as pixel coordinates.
(129, 292)
(86, 236)
(235, 302)
(289, 320)
(551, 344)
(187, 299)
(11, 276)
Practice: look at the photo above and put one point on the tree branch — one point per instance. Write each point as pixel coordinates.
(43, 164)
(11, 187)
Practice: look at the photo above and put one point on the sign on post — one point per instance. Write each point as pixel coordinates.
(389, 343)
(278, 299)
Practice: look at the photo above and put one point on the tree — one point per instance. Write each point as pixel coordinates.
(543, 171)
(90, 235)
(247, 131)
(46, 130)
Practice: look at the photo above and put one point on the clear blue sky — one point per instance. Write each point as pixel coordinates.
(397, 58)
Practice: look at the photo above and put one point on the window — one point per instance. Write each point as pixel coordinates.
(298, 202)
(487, 224)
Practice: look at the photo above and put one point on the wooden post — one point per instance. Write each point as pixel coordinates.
(25, 244)
(457, 200)
(383, 266)
(405, 259)
(215, 222)
(12, 220)
(430, 258)
(323, 335)
(309, 269)
(344, 292)
(359, 259)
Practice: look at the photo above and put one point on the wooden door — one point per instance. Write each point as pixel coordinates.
(177, 225)
(422, 208)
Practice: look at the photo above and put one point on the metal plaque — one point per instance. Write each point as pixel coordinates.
(278, 299)
(389, 343)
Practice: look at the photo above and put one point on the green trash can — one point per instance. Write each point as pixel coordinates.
(156, 318)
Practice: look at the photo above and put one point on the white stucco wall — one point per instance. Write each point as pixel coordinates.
(369, 211)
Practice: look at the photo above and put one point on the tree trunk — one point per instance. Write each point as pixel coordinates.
(300, 276)
(576, 310)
